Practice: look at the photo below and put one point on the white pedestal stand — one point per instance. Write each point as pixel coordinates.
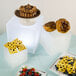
(55, 42)
(27, 30)
(14, 60)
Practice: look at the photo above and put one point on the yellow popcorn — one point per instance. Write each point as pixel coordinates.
(14, 46)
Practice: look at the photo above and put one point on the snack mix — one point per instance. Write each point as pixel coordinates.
(27, 11)
(67, 65)
(29, 72)
(14, 46)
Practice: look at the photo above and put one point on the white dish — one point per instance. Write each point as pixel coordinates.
(41, 72)
(53, 69)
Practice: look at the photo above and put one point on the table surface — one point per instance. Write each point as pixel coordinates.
(40, 60)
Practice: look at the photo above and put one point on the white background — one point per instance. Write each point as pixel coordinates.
(51, 10)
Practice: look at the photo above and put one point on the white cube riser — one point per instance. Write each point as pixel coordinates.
(55, 42)
(28, 34)
(14, 60)
(53, 68)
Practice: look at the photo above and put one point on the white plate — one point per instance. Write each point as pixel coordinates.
(53, 69)
(41, 72)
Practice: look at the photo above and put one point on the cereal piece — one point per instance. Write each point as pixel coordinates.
(62, 67)
(71, 60)
(50, 26)
(7, 45)
(15, 51)
(65, 60)
(74, 65)
(67, 57)
(62, 25)
(21, 47)
(60, 62)
(20, 42)
(70, 69)
(12, 51)
(14, 45)
(67, 65)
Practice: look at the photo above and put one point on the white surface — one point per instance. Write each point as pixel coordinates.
(53, 69)
(55, 42)
(51, 9)
(29, 35)
(14, 60)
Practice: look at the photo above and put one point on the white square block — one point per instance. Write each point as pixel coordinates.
(16, 59)
(55, 42)
(29, 35)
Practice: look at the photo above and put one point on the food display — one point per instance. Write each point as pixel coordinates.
(62, 25)
(25, 71)
(15, 46)
(50, 26)
(64, 65)
(56, 36)
(27, 11)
